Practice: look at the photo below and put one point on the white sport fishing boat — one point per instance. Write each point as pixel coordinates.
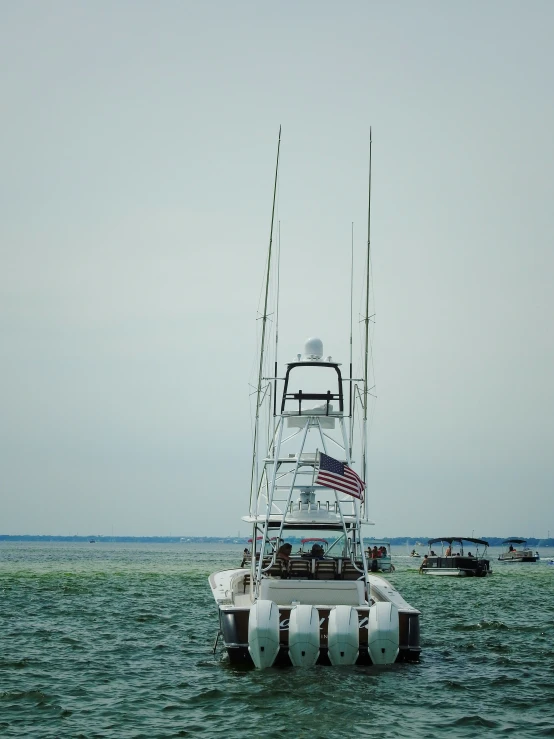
(308, 595)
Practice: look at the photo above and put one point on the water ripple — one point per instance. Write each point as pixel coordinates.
(115, 641)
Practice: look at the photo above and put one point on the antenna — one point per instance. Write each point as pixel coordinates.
(259, 395)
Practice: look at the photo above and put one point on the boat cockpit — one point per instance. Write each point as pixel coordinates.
(300, 554)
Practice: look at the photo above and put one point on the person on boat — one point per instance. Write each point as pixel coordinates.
(317, 551)
(424, 562)
(374, 552)
(448, 552)
(284, 552)
(245, 556)
(469, 554)
(511, 549)
(382, 551)
(433, 553)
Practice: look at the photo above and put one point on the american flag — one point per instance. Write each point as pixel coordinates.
(338, 475)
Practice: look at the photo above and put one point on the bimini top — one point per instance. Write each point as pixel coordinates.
(376, 542)
(450, 539)
(514, 540)
(313, 538)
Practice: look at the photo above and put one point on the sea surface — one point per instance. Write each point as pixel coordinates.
(116, 640)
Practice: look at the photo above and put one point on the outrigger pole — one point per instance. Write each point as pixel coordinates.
(259, 394)
(277, 322)
(366, 321)
(351, 419)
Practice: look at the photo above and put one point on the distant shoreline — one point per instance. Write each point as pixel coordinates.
(394, 540)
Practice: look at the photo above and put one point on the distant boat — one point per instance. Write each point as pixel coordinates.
(511, 555)
(458, 564)
(380, 561)
(92, 541)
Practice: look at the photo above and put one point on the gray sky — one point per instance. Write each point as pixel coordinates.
(136, 159)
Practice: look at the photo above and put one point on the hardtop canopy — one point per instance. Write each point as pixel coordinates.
(451, 539)
(307, 525)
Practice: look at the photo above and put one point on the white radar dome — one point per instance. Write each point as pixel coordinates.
(313, 350)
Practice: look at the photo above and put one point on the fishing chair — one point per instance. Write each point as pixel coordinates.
(300, 568)
(349, 572)
(325, 569)
(277, 568)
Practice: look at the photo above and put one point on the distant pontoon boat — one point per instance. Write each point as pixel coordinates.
(512, 554)
(454, 561)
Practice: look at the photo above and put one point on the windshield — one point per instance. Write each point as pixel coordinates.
(269, 548)
(332, 543)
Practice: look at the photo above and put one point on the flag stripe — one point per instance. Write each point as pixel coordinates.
(339, 481)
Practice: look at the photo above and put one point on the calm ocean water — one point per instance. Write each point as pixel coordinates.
(115, 640)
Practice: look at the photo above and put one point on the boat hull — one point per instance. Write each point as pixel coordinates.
(234, 629)
(382, 564)
(447, 572)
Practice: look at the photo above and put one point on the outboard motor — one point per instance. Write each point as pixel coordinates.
(263, 633)
(343, 635)
(383, 636)
(304, 636)
(483, 568)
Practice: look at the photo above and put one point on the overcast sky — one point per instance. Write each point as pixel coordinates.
(136, 171)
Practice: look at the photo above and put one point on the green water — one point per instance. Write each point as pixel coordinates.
(115, 640)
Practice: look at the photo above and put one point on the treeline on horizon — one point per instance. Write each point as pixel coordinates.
(412, 541)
